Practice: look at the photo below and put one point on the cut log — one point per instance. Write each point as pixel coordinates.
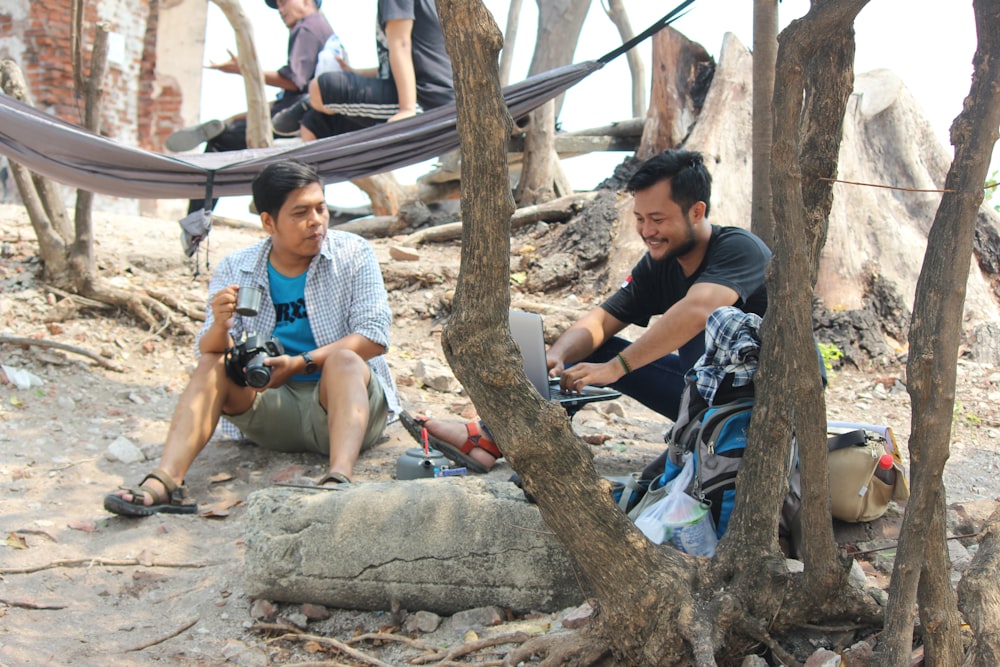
(682, 71)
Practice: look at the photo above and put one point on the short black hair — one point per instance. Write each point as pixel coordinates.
(274, 183)
(689, 179)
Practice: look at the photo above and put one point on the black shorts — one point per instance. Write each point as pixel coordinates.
(351, 102)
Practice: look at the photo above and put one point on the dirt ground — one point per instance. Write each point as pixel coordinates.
(81, 587)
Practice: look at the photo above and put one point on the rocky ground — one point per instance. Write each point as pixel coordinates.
(81, 587)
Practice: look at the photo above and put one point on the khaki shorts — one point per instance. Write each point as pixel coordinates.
(291, 419)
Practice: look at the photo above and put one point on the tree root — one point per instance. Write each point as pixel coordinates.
(575, 648)
(106, 363)
(156, 314)
(88, 562)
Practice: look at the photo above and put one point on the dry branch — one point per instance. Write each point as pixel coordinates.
(24, 604)
(160, 640)
(38, 342)
(89, 562)
(291, 633)
(557, 209)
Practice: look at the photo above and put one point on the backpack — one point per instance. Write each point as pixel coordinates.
(717, 438)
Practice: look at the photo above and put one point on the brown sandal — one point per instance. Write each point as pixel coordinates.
(173, 502)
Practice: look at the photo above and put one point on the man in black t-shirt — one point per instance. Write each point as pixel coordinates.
(691, 268)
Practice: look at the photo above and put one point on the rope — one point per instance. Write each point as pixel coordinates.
(887, 187)
(674, 14)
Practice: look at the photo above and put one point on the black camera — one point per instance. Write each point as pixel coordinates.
(245, 361)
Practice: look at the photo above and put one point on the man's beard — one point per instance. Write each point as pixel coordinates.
(684, 248)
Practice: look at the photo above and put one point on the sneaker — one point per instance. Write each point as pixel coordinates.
(286, 121)
(189, 138)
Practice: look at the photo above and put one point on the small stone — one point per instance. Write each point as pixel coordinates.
(579, 617)
(122, 449)
(263, 610)
(613, 408)
(403, 254)
(436, 376)
(479, 617)
(315, 612)
(857, 577)
(422, 621)
(298, 619)
(823, 658)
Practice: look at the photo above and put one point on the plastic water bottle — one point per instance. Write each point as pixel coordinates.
(885, 470)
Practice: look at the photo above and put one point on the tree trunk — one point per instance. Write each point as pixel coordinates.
(815, 68)
(559, 25)
(509, 40)
(616, 12)
(935, 333)
(384, 192)
(81, 256)
(765, 53)
(259, 134)
(682, 73)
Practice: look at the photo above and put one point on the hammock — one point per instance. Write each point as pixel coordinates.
(69, 154)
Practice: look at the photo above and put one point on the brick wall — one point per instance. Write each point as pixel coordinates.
(135, 108)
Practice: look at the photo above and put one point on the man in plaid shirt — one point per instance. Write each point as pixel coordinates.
(329, 392)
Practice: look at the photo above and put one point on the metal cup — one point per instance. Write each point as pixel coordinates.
(248, 301)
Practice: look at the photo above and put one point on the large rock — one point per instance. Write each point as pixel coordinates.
(440, 545)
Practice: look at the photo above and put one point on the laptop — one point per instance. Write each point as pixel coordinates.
(526, 330)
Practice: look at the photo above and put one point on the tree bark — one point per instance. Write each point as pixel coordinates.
(616, 12)
(979, 597)
(765, 53)
(935, 331)
(540, 158)
(259, 131)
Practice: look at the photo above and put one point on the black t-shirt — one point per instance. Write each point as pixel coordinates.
(431, 64)
(735, 258)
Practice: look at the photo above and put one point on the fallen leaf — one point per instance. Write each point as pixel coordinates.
(470, 636)
(54, 328)
(15, 541)
(149, 346)
(312, 647)
(596, 439)
(86, 525)
(220, 477)
(15, 401)
(219, 510)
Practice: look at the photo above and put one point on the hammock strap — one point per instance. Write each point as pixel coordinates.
(674, 14)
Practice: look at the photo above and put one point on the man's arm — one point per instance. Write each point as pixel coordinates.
(682, 322)
(232, 66)
(398, 33)
(581, 339)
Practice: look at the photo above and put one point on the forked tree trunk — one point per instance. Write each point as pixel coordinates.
(979, 597)
(657, 606)
(616, 12)
(935, 333)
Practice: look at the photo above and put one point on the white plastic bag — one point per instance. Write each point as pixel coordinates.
(680, 519)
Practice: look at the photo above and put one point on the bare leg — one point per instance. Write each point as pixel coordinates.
(207, 396)
(343, 393)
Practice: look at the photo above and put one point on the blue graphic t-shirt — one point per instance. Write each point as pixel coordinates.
(292, 321)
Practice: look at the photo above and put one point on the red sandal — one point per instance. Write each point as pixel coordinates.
(478, 437)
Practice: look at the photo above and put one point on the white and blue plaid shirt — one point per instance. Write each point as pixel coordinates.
(344, 294)
(732, 347)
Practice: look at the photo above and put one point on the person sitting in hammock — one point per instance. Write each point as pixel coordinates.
(414, 73)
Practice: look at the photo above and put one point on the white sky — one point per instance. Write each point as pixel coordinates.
(929, 46)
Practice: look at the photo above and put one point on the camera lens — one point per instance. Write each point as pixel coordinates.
(258, 375)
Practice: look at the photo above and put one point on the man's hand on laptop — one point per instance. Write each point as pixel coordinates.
(580, 375)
